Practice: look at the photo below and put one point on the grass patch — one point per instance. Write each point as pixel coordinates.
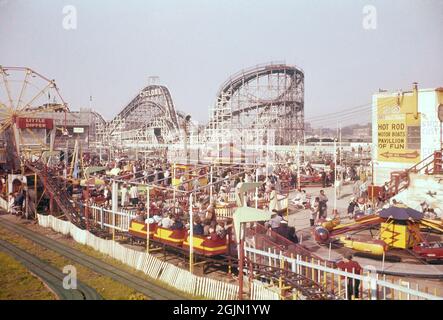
(105, 286)
(17, 283)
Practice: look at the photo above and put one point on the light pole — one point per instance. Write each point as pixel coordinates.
(440, 117)
(186, 129)
(335, 176)
(148, 227)
(298, 166)
(191, 236)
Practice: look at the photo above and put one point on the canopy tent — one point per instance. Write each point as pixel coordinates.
(401, 212)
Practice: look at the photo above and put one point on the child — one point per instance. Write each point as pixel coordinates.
(351, 208)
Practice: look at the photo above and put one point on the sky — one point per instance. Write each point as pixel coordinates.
(193, 46)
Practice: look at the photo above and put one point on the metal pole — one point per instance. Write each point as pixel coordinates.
(174, 187)
(298, 167)
(114, 205)
(240, 265)
(335, 175)
(36, 195)
(256, 189)
(148, 224)
(211, 187)
(87, 205)
(191, 236)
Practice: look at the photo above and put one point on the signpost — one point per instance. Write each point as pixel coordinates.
(398, 129)
(35, 123)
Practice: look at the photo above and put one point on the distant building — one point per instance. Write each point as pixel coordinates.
(80, 125)
(362, 133)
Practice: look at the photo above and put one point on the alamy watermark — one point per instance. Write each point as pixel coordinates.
(70, 281)
(69, 21)
(369, 17)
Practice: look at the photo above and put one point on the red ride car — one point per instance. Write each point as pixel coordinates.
(429, 251)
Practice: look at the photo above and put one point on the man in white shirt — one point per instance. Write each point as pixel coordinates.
(275, 221)
(167, 175)
(133, 195)
(124, 198)
(166, 222)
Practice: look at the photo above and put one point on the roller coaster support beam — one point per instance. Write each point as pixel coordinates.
(191, 236)
(114, 204)
(242, 215)
(87, 205)
(148, 207)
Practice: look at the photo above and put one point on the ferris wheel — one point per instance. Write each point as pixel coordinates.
(27, 100)
(26, 93)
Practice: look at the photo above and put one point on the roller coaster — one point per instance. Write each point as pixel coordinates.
(150, 117)
(265, 103)
(267, 99)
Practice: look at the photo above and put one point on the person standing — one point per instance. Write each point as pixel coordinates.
(351, 266)
(356, 188)
(274, 204)
(323, 178)
(133, 194)
(167, 181)
(351, 208)
(315, 210)
(323, 207)
(124, 198)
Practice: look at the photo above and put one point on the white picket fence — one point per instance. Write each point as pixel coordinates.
(166, 272)
(260, 292)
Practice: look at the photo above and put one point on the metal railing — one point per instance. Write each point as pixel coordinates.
(106, 218)
(369, 285)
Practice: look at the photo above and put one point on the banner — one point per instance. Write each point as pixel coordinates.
(398, 127)
(35, 123)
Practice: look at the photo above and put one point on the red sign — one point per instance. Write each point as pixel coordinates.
(35, 123)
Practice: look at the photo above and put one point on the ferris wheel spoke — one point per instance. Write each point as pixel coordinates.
(5, 125)
(6, 84)
(23, 89)
(3, 107)
(32, 112)
(38, 95)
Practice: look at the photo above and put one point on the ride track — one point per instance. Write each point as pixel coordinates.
(272, 91)
(308, 288)
(51, 276)
(135, 282)
(152, 108)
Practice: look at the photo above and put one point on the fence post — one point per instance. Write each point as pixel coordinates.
(101, 218)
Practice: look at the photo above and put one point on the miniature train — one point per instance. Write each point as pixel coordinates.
(204, 245)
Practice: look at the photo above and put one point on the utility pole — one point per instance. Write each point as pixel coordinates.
(191, 236)
(298, 166)
(335, 176)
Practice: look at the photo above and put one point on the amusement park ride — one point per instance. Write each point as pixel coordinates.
(399, 227)
(25, 95)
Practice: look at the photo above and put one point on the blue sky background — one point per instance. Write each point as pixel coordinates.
(194, 45)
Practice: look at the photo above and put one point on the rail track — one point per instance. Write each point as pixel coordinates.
(49, 274)
(307, 288)
(135, 282)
